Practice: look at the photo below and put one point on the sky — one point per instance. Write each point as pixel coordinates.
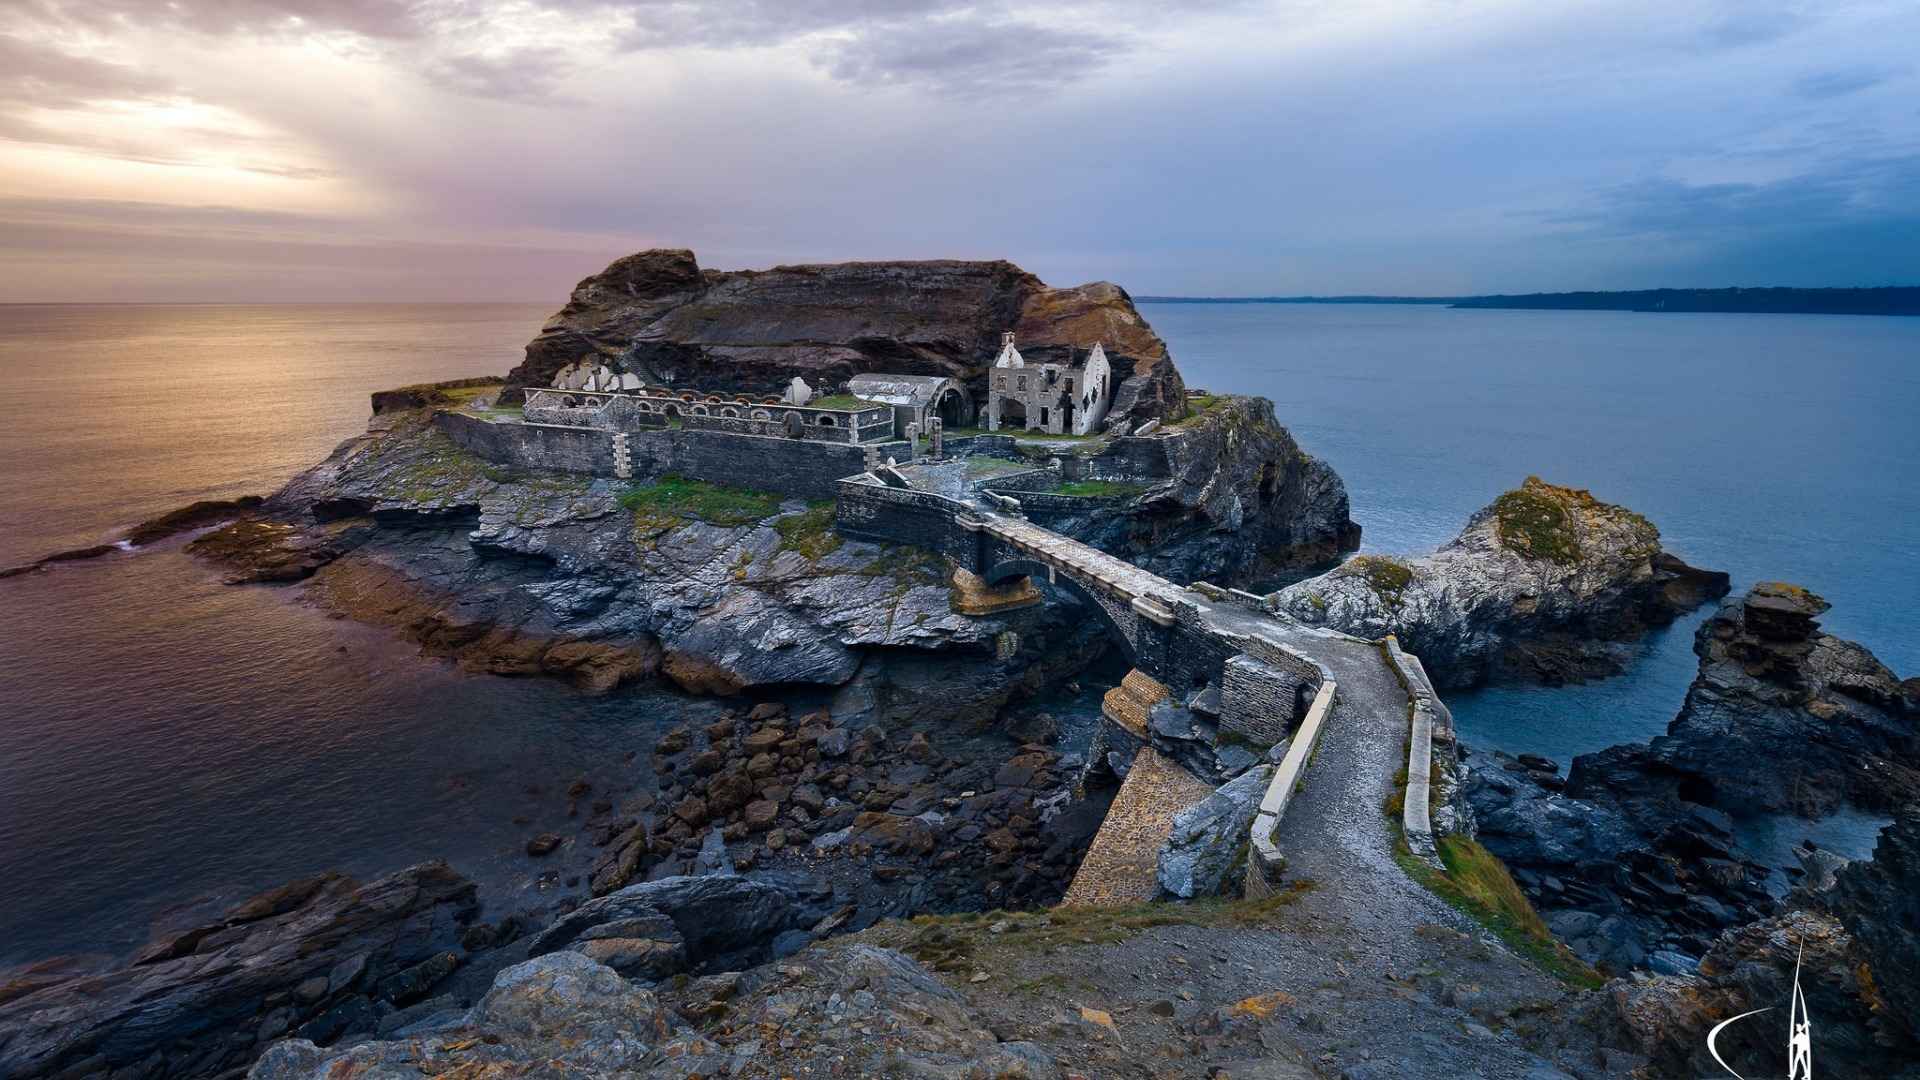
(342, 150)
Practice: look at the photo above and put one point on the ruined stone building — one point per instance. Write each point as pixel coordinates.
(1059, 399)
(916, 398)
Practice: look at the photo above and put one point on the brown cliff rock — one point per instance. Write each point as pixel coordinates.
(658, 315)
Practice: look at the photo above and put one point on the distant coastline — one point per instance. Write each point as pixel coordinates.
(1885, 300)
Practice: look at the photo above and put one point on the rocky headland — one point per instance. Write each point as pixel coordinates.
(854, 868)
(1544, 584)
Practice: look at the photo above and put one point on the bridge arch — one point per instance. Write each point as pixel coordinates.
(1117, 614)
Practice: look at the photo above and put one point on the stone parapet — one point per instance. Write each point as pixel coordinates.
(1265, 862)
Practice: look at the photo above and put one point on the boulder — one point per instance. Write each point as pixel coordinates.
(716, 916)
(1205, 848)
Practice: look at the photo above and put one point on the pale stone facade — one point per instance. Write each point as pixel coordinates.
(1060, 399)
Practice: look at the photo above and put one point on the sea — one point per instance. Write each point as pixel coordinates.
(169, 743)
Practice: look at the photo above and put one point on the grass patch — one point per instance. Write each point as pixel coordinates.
(1387, 577)
(1198, 407)
(1476, 884)
(1535, 524)
(675, 498)
(910, 565)
(460, 395)
(957, 942)
(1100, 489)
(809, 532)
(842, 401)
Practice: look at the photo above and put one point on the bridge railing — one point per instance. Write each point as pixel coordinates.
(1264, 858)
(1430, 743)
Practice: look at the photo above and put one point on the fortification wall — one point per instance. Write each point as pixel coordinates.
(532, 446)
(789, 467)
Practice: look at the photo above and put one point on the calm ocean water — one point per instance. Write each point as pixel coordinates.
(168, 743)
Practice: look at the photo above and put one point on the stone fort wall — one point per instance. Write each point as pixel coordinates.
(802, 468)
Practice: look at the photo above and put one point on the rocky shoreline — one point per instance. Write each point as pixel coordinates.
(1635, 856)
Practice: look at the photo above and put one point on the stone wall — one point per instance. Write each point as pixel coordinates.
(1259, 702)
(876, 512)
(786, 466)
(532, 446)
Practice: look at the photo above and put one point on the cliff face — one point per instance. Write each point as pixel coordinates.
(660, 316)
(1243, 504)
(1538, 584)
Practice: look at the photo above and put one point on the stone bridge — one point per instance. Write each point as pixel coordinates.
(1363, 710)
(1181, 641)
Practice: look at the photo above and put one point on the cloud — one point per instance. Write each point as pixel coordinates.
(41, 76)
(1832, 84)
(970, 56)
(383, 19)
(1850, 191)
(530, 75)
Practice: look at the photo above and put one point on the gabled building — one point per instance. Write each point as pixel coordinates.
(1059, 399)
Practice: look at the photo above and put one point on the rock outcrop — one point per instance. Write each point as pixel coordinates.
(1243, 503)
(1878, 901)
(854, 1010)
(1541, 584)
(1780, 719)
(323, 957)
(658, 315)
(1633, 856)
(1663, 1020)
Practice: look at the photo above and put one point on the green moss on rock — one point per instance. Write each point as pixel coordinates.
(1388, 577)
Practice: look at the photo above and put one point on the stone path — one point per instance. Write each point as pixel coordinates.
(1121, 867)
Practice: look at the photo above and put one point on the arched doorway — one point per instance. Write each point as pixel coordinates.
(952, 408)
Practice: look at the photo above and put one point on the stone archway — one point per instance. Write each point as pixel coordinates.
(953, 407)
(1117, 615)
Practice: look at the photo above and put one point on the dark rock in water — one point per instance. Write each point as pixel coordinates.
(197, 1004)
(1541, 585)
(658, 315)
(1621, 875)
(1879, 903)
(1780, 719)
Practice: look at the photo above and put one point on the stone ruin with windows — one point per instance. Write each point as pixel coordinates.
(1059, 399)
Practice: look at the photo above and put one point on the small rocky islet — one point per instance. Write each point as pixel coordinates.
(857, 868)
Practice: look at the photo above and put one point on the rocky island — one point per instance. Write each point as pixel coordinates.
(879, 511)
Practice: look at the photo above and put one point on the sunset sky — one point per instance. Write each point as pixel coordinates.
(472, 149)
